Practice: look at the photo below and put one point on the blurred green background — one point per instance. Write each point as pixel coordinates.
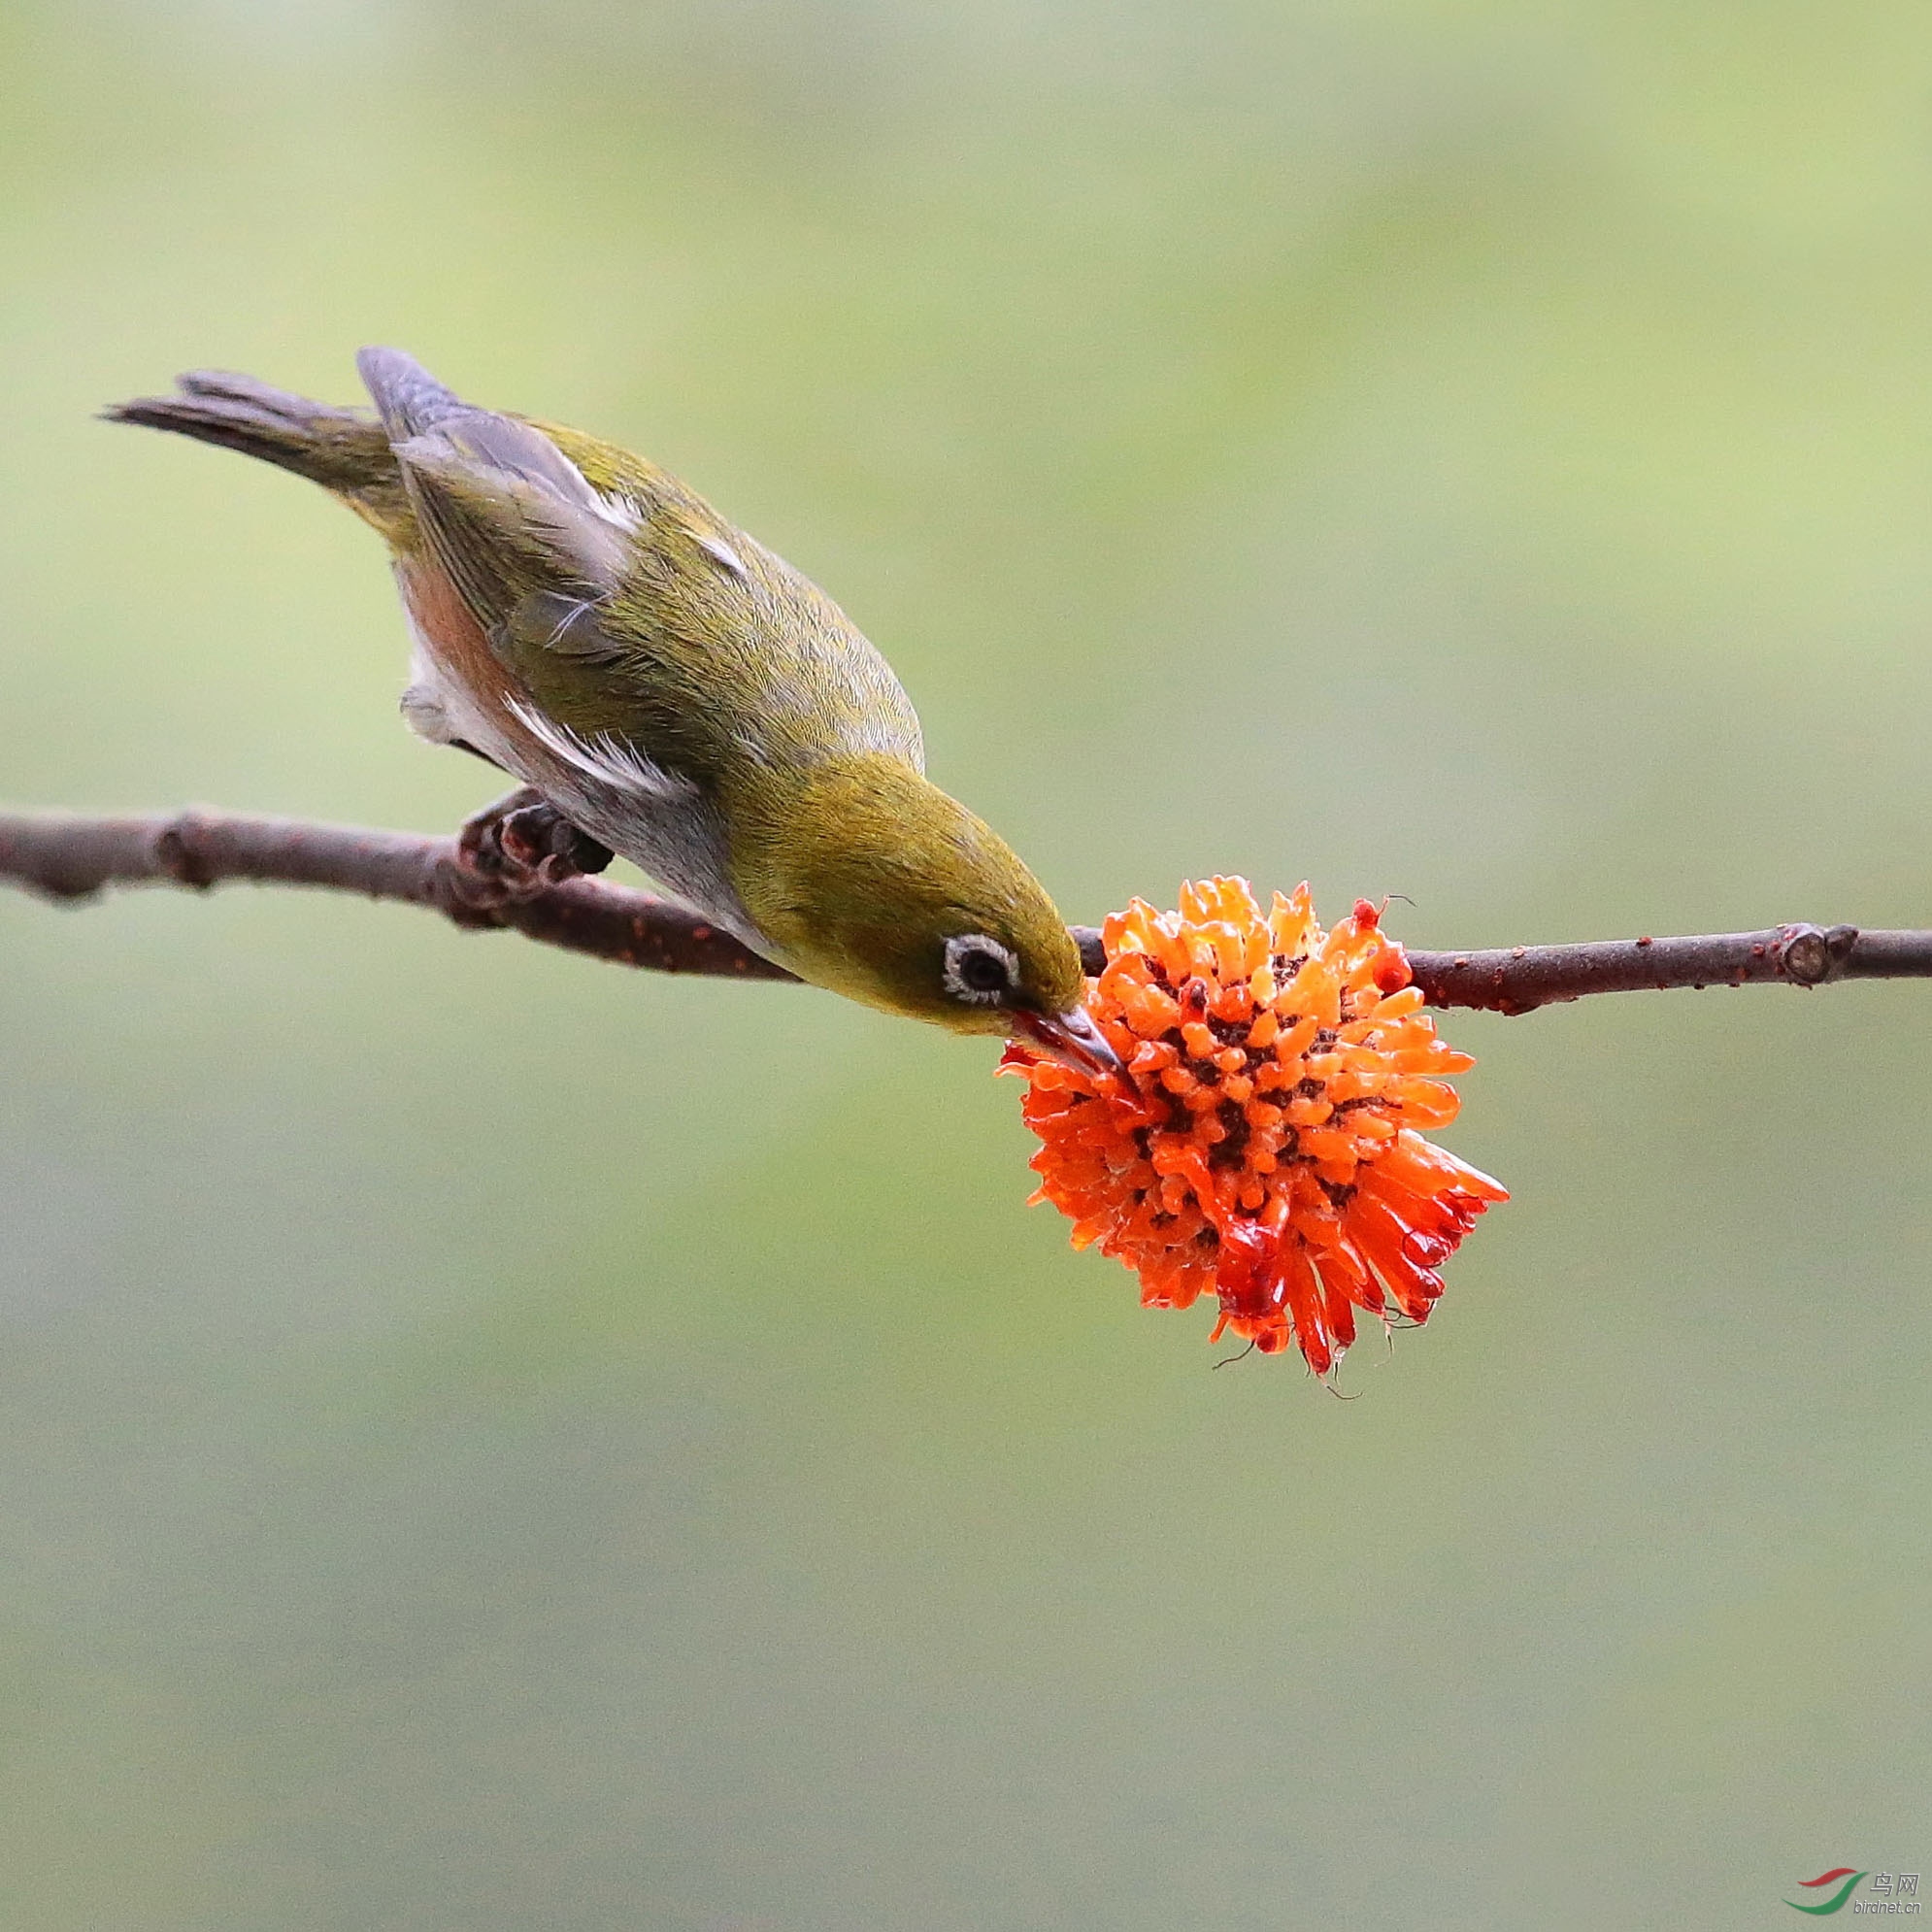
(490, 1441)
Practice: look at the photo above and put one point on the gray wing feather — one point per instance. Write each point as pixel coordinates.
(529, 545)
(407, 396)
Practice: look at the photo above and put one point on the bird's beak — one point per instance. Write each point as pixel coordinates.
(1070, 1038)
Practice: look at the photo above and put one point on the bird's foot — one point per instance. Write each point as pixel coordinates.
(518, 848)
(525, 833)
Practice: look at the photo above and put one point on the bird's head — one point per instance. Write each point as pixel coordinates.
(870, 880)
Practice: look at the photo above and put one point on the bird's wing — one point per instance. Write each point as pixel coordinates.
(504, 512)
(708, 648)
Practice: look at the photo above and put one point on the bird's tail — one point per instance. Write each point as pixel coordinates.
(343, 450)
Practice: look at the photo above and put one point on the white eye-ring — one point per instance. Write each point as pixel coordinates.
(979, 970)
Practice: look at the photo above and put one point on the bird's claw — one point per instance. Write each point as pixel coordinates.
(518, 848)
(537, 838)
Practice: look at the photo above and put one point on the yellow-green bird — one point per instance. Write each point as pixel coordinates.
(674, 691)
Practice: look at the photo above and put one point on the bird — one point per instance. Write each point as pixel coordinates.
(663, 687)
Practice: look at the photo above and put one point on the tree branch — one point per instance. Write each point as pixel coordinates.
(72, 856)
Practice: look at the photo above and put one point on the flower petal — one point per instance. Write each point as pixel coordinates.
(1264, 1144)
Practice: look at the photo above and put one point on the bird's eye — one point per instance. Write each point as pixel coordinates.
(979, 970)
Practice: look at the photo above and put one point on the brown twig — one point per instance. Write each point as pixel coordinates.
(74, 856)
(1519, 979)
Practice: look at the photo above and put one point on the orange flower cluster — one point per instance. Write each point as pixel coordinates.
(1264, 1144)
